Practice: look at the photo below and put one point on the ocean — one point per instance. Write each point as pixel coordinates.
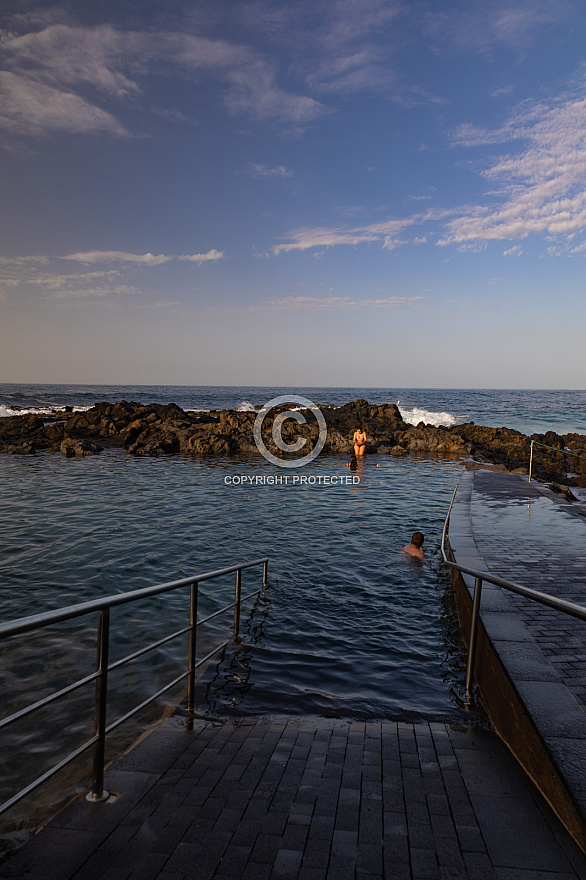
(529, 411)
(348, 626)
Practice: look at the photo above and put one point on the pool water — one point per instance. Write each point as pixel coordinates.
(349, 626)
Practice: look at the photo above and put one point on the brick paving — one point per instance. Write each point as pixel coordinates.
(308, 799)
(539, 542)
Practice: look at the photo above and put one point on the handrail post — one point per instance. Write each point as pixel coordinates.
(265, 573)
(192, 647)
(473, 634)
(531, 461)
(237, 604)
(97, 794)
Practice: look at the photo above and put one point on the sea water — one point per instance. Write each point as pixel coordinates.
(348, 625)
(529, 411)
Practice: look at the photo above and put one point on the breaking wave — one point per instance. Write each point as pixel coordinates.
(37, 410)
(416, 415)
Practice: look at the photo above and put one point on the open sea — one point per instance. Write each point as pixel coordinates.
(348, 626)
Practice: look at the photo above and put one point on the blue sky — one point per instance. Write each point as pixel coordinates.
(350, 192)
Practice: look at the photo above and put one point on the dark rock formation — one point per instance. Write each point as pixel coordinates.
(70, 447)
(156, 430)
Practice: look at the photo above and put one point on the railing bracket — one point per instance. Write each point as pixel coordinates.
(92, 799)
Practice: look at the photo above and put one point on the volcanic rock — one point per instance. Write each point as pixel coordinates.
(71, 447)
(158, 429)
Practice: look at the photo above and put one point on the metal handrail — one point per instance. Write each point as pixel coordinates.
(554, 448)
(563, 605)
(100, 676)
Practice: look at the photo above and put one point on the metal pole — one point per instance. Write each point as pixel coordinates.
(97, 794)
(265, 574)
(192, 647)
(473, 633)
(237, 605)
(531, 460)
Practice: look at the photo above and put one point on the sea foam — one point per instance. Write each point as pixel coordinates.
(416, 415)
(36, 410)
(246, 406)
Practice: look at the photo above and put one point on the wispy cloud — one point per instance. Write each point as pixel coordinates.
(253, 90)
(499, 93)
(96, 292)
(58, 282)
(142, 259)
(303, 239)
(31, 107)
(58, 78)
(312, 303)
(539, 189)
(336, 47)
(359, 71)
(384, 232)
(45, 275)
(59, 286)
(264, 172)
(477, 26)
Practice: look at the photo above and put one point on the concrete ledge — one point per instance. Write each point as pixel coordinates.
(529, 706)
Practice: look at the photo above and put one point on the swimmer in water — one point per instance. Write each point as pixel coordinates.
(414, 548)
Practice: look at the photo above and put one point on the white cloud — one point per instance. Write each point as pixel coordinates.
(23, 275)
(390, 244)
(58, 77)
(312, 303)
(96, 292)
(35, 108)
(384, 233)
(538, 188)
(75, 285)
(542, 188)
(210, 256)
(58, 282)
(498, 93)
(141, 259)
(263, 172)
(253, 90)
(479, 27)
(68, 56)
(302, 239)
(359, 71)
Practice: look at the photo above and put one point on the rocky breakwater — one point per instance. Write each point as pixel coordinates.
(156, 429)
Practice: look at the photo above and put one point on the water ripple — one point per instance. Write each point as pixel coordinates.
(347, 626)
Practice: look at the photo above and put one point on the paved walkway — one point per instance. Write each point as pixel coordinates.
(308, 799)
(522, 532)
(538, 540)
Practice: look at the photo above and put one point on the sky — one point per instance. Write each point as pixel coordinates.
(284, 192)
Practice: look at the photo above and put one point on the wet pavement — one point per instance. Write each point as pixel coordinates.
(527, 534)
(538, 540)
